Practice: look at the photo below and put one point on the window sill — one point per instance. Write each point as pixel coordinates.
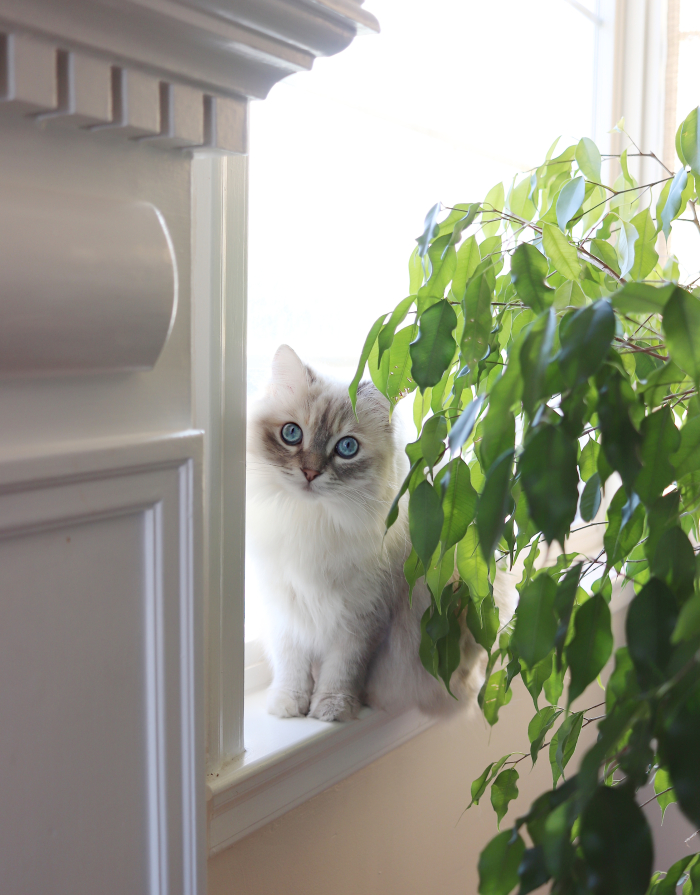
(289, 760)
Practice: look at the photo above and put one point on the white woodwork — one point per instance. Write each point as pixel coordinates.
(219, 342)
(288, 761)
(99, 713)
(122, 327)
(88, 284)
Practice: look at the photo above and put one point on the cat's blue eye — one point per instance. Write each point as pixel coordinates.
(347, 447)
(291, 433)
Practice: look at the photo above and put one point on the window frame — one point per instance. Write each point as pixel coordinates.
(247, 789)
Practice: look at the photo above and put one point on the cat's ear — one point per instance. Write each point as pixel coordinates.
(369, 397)
(288, 372)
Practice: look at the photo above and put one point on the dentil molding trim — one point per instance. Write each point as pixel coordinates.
(175, 71)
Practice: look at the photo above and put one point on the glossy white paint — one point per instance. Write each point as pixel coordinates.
(103, 546)
(88, 284)
(101, 638)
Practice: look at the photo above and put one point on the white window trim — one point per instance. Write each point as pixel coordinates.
(256, 772)
(285, 762)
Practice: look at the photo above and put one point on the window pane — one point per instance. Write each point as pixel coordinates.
(346, 160)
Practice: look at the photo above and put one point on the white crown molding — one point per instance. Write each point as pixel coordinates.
(235, 48)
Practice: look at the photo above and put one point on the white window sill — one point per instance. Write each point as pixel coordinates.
(289, 760)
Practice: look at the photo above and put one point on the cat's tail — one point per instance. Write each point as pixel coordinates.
(397, 680)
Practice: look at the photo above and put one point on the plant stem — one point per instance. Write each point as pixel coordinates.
(656, 796)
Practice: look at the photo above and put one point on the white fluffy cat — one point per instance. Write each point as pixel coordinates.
(340, 627)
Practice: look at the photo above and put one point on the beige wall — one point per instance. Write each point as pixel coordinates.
(393, 828)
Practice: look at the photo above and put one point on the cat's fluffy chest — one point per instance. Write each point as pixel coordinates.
(319, 575)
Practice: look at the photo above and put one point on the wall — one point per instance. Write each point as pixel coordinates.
(397, 828)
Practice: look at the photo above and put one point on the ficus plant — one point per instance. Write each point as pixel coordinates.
(554, 359)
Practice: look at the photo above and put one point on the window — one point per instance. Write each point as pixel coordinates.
(345, 161)
(682, 95)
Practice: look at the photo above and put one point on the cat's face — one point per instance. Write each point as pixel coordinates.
(305, 440)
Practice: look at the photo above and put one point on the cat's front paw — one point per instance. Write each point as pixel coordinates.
(334, 707)
(287, 703)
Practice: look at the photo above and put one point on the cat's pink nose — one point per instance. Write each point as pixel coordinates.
(310, 474)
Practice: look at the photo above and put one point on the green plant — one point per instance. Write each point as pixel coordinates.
(552, 353)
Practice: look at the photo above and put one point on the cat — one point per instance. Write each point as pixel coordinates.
(341, 630)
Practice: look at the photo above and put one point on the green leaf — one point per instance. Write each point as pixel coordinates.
(585, 340)
(535, 622)
(535, 356)
(494, 504)
(412, 570)
(626, 239)
(432, 439)
(496, 695)
(681, 323)
(386, 336)
(616, 843)
(479, 785)
(495, 198)
(399, 380)
(533, 871)
(462, 429)
(503, 790)
(528, 271)
(660, 439)
(625, 526)
(687, 457)
(673, 561)
(433, 350)
(430, 229)
(449, 652)
(569, 201)
(425, 521)
(459, 503)
(588, 159)
(689, 139)
(622, 684)
(590, 499)
(567, 590)
(498, 864)
(679, 751)
(477, 320)
(369, 344)
(457, 221)
(468, 259)
(645, 255)
(620, 440)
(393, 514)
(651, 618)
(535, 678)
(668, 884)
(588, 461)
(483, 621)
(560, 252)
(497, 436)
(539, 727)
(439, 572)
(603, 250)
(688, 625)
(672, 206)
(662, 783)
(591, 645)
(563, 744)
(472, 567)
(549, 477)
(641, 298)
